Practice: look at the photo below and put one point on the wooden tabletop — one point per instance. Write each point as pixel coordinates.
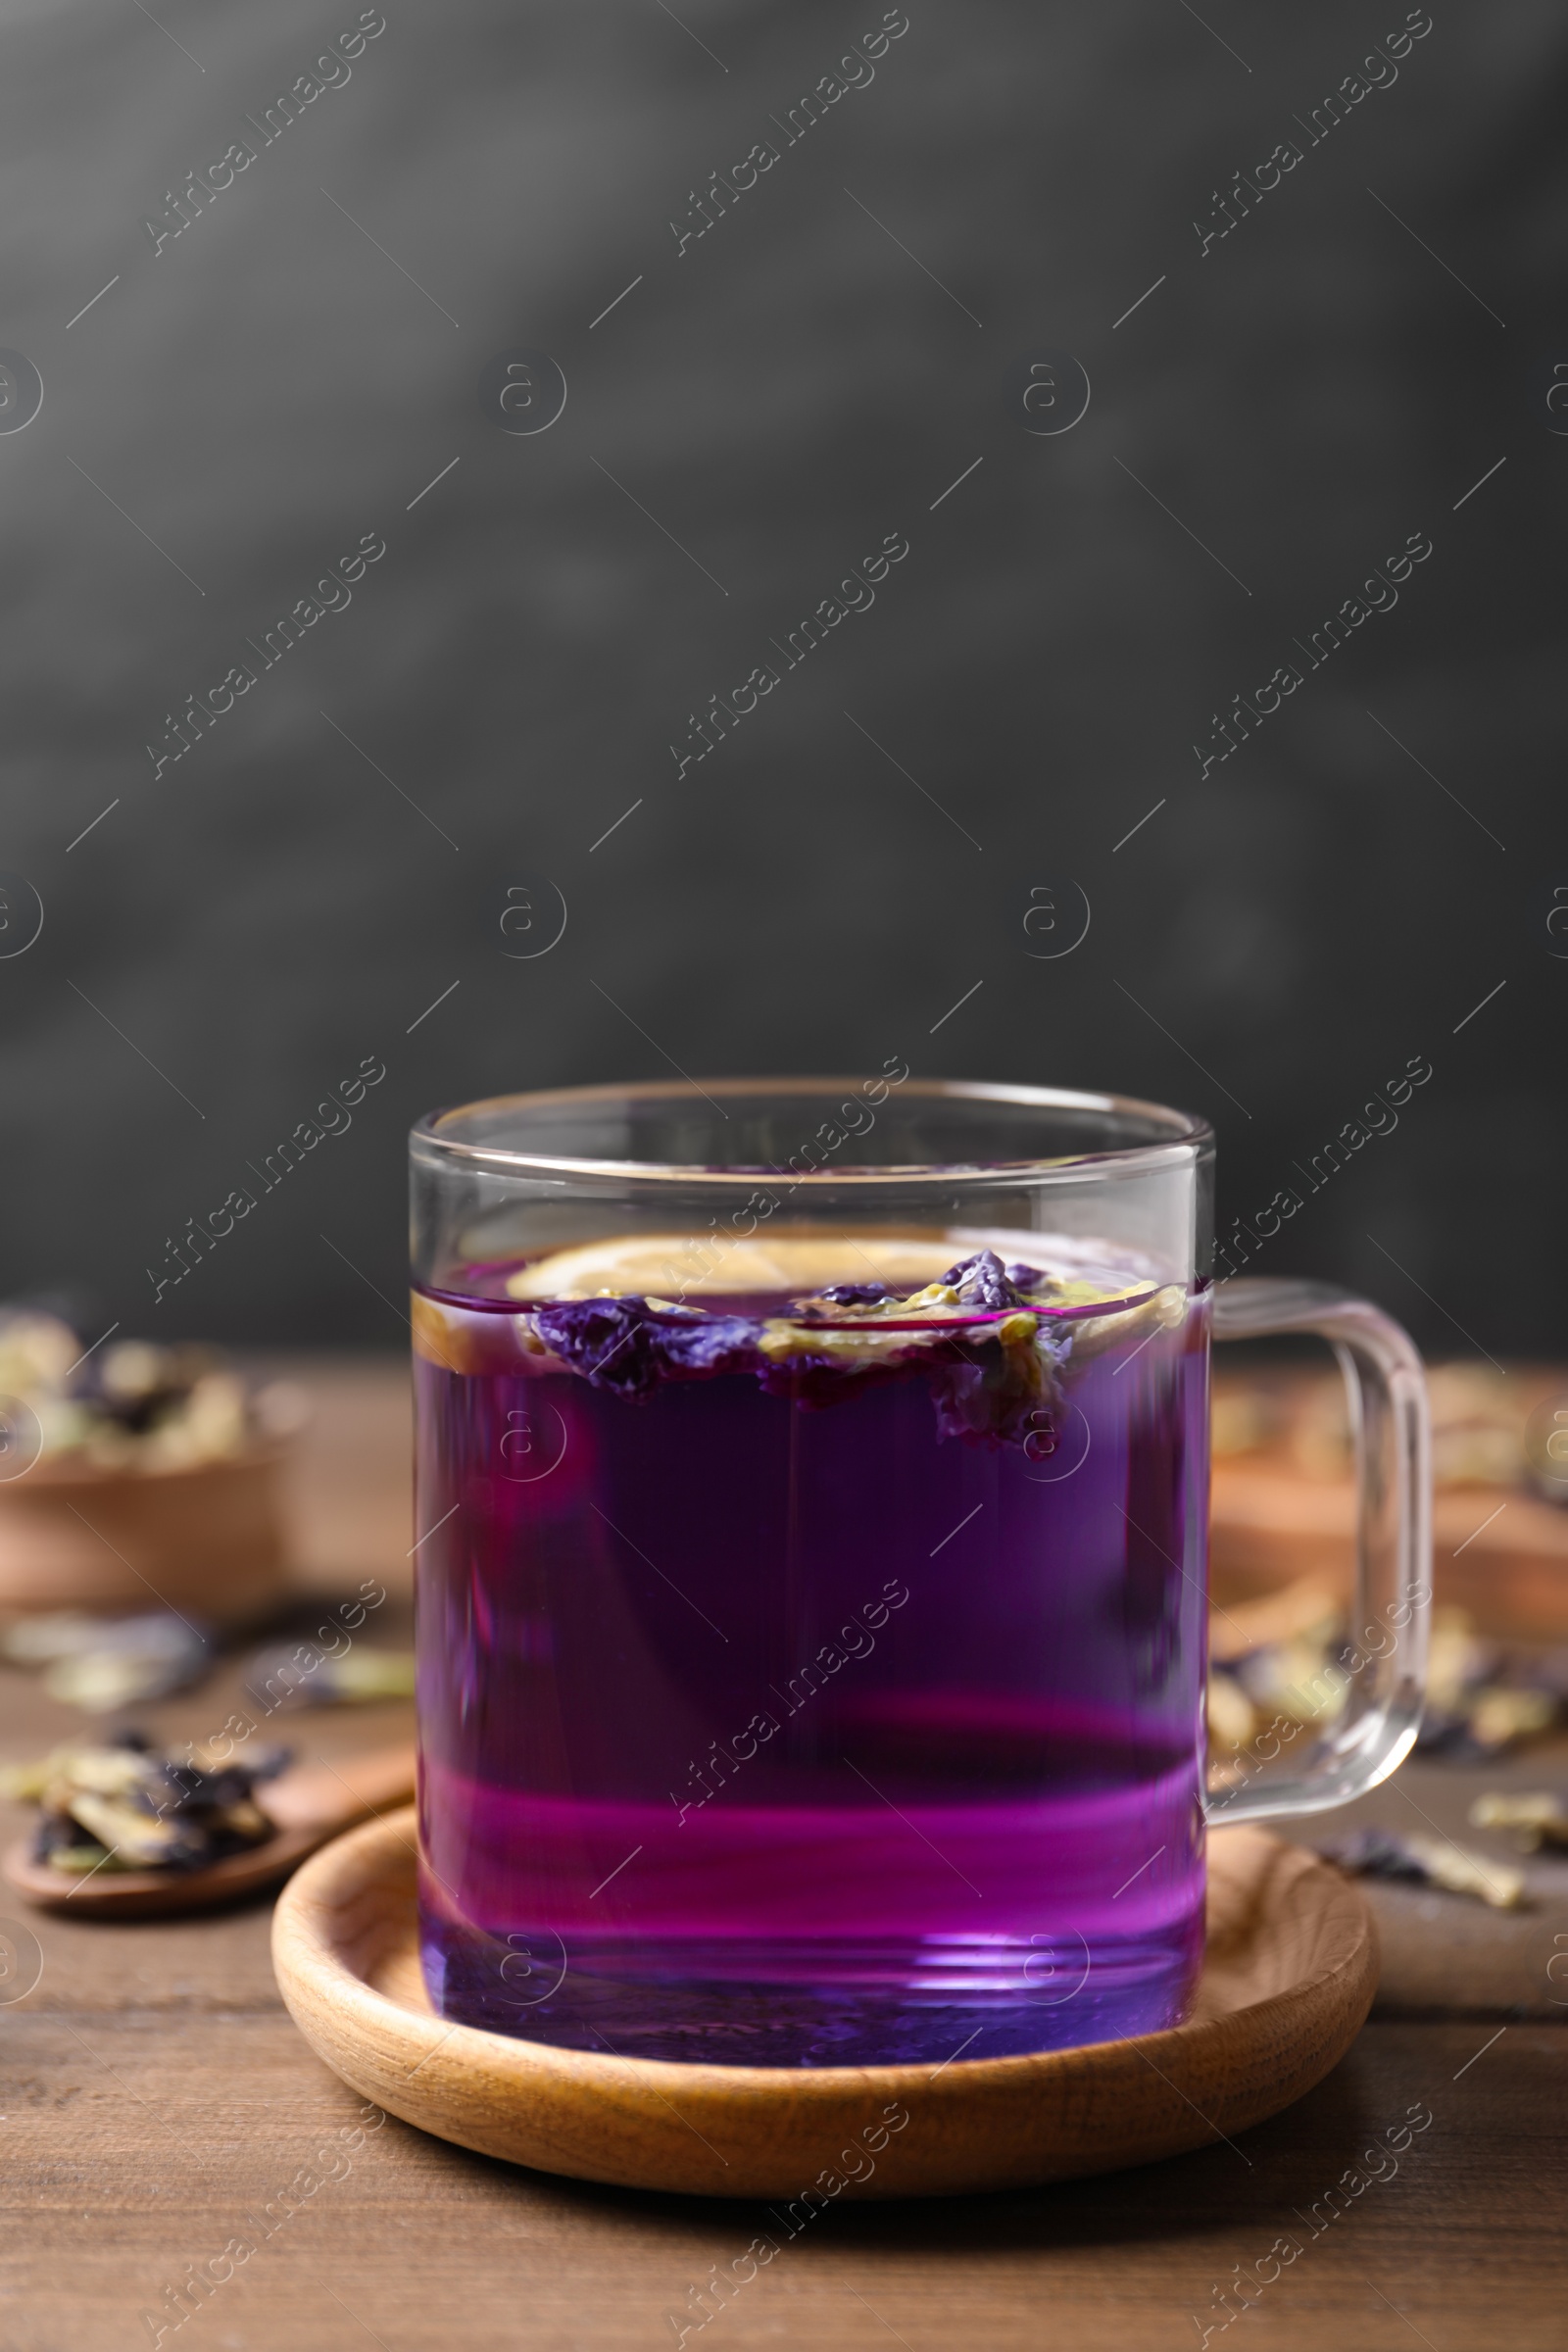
(154, 2099)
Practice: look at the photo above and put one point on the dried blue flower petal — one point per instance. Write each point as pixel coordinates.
(1373, 1853)
(125, 1805)
(716, 1343)
(621, 1345)
(1377, 1854)
(980, 1281)
(609, 1341)
(996, 1394)
(986, 1389)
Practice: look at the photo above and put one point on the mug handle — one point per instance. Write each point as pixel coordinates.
(1382, 1667)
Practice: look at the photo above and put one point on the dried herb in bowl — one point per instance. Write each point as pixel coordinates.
(132, 1405)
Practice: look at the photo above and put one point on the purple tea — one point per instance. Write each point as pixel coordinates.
(811, 1658)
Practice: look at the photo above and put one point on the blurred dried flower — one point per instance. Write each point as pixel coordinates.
(1537, 1818)
(103, 1663)
(1374, 1853)
(132, 1405)
(125, 1805)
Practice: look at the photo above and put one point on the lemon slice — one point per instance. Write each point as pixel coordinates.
(682, 1266)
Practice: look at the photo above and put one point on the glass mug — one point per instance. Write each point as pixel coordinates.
(812, 1517)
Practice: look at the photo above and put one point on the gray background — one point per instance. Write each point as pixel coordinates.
(1277, 940)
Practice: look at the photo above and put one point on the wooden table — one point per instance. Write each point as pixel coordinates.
(155, 2096)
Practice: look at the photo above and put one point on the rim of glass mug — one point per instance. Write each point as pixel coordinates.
(1182, 1136)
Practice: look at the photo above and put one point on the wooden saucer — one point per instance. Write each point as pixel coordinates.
(1289, 1975)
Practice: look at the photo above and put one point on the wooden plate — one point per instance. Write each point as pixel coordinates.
(207, 1538)
(1290, 1971)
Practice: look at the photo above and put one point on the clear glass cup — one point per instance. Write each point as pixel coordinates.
(812, 1508)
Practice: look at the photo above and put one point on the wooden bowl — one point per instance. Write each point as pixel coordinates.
(1290, 1974)
(1499, 1553)
(207, 1538)
(1284, 1508)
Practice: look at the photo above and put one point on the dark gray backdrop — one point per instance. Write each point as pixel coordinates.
(847, 339)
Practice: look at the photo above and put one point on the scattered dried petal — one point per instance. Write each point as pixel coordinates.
(1536, 1817)
(1376, 1853)
(102, 1663)
(279, 1679)
(1499, 1716)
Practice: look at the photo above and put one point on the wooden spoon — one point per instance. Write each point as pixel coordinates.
(309, 1803)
